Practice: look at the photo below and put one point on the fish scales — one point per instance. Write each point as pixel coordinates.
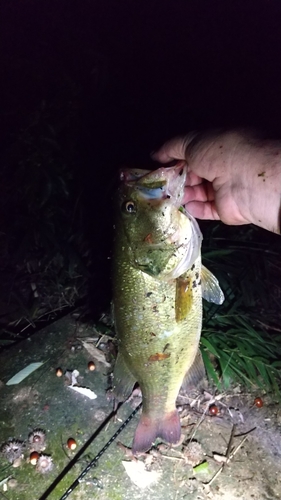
(157, 298)
(150, 329)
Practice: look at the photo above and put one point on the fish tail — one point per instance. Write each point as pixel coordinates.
(167, 428)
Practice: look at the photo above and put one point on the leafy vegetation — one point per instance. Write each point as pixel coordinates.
(241, 340)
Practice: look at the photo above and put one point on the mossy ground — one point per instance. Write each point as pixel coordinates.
(43, 400)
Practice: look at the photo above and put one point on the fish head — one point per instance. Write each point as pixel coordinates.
(162, 239)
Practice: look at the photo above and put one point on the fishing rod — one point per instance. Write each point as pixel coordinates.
(93, 462)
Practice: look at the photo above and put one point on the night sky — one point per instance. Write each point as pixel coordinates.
(121, 76)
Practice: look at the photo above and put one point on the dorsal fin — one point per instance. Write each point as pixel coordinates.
(195, 375)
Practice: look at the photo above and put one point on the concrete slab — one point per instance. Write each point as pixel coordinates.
(43, 400)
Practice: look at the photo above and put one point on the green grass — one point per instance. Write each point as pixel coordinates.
(241, 340)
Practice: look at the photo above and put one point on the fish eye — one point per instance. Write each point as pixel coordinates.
(129, 207)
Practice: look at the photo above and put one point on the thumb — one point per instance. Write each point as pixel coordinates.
(174, 149)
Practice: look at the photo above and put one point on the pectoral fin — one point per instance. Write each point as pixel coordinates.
(123, 380)
(211, 290)
(184, 298)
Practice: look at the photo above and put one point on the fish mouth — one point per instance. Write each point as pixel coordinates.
(164, 182)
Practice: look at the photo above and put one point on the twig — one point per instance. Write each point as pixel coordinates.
(237, 449)
(198, 423)
(211, 401)
(180, 459)
(269, 327)
(230, 443)
(229, 455)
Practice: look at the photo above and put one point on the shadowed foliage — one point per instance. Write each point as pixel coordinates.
(241, 340)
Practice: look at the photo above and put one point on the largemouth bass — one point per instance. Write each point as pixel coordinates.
(158, 284)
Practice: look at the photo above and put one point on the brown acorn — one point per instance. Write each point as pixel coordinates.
(213, 410)
(258, 402)
(34, 457)
(71, 443)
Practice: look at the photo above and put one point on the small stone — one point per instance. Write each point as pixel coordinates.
(99, 415)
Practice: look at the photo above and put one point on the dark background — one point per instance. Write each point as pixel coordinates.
(144, 69)
(111, 80)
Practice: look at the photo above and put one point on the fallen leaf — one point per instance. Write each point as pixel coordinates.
(219, 458)
(84, 390)
(139, 475)
(22, 374)
(203, 467)
(96, 353)
(5, 480)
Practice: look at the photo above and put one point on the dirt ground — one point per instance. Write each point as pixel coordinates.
(241, 438)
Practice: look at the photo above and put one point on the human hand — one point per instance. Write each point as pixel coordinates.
(233, 176)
